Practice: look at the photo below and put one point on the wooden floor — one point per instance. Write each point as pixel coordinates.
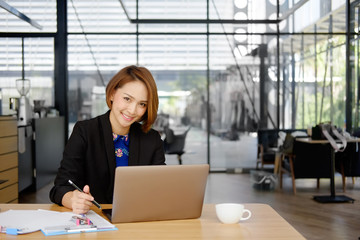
(312, 219)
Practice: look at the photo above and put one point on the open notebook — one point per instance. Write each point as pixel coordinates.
(151, 193)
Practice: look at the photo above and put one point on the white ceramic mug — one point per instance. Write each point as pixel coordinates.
(230, 213)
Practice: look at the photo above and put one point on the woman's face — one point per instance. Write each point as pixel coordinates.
(129, 104)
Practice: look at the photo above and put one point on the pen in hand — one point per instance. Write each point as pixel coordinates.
(73, 184)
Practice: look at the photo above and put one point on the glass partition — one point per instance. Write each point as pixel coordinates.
(178, 63)
(224, 73)
(38, 67)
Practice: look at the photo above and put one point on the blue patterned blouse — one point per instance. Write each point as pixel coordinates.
(121, 144)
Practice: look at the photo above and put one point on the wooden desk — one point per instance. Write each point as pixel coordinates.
(265, 223)
(332, 198)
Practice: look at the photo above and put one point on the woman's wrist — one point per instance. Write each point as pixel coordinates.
(66, 200)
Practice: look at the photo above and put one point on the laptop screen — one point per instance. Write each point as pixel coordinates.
(166, 192)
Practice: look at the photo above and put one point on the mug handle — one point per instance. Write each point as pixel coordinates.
(249, 215)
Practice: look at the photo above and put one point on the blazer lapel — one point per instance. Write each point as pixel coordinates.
(134, 145)
(109, 144)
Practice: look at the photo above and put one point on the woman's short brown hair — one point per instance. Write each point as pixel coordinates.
(133, 73)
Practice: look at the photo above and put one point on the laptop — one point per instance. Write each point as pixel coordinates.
(153, 193)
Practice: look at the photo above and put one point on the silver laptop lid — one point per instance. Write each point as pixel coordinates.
(150, 193)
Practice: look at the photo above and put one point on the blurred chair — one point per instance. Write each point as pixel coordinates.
(306, 161)
(267, 144)
(265, 158)
(348, 162)
(174, 144)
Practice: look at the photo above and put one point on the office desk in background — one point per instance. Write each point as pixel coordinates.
(265, 223)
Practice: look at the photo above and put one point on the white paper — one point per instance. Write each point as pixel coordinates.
(27, 221)
(99, 221)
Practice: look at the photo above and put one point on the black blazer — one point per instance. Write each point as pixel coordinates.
(89, 157)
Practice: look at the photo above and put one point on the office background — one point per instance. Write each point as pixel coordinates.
(226, 68)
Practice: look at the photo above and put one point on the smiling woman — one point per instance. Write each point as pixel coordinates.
(120, 137)
(128, 105)
(139, 82)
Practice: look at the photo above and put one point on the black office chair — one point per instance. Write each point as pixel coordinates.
(174, 144)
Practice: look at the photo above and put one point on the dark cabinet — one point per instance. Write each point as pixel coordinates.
(49, 143)
(38, 165)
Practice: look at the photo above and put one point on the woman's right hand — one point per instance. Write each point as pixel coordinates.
(79, 202)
